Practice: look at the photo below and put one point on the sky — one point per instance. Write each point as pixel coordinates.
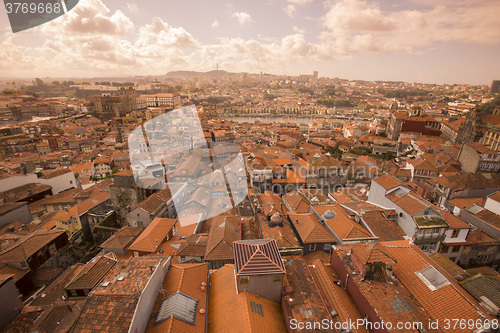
(427, 41)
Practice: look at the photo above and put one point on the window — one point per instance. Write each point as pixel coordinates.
(454, 234)
(244, 280)
(312, 247)
(277, 278)
(456, 248)
(444, 249)
(483, 259)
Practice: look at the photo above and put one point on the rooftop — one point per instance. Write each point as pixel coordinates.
(92, 273)
(106, 313)
(26, 246)
(254, 313)
(304, 302)
(128, 277)
(152, 237)
(122, 238)
(181, 301)
(256, 257)
(223, 232)
(309, 229)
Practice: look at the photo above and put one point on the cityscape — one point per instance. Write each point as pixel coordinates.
(207, 196)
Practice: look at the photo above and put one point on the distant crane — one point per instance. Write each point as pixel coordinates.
(17, 92)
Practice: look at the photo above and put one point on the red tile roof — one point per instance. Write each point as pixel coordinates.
(92, 273)
(190, 280)
(387, 182)
(344, 227)
(410, 260)
(309, 228)
(225, 305)
(223, 232)
(29, 245)
(453, 221)
(336, 296)
(122, 238)
(257, 257)
(152, 237)
(106, 313)
(408, 202)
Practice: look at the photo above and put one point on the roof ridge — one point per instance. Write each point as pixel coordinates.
(253, 255)
(276, 264)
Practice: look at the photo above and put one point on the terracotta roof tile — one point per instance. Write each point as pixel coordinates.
(408, 202)
(337, 298)
(29, 245)
(223, 299)
(467, 202)
(453, 221)
(106, 313)
(190, 280)
(309, 229)
(298, 203)
(344, 227)
(55, 291)
(152, 237)
(387, 182)
(449, 266)
(304, 303)
(92, 273)
(410, 260)
(122, 238)
(223, 232)
(23, 322)
(130, 276)
(256, 257)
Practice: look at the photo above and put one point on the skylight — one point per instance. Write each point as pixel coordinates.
(179, 305)
(432, 278)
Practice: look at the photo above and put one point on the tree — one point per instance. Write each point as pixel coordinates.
(330, 91)
(38, 83)
(268, 96)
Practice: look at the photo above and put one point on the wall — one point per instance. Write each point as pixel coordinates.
(59, 183)
(264, 286)
(363, 305)
(462, 236)
(492, 205)
(148, 297)
(22, 214)
(469, 159)
(481, 225)
(138, 215)
(10, 303)
(405, 221)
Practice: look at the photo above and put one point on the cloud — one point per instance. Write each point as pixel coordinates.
(290, 10)
(298, 30)
(132, 7)
(300, 2)
(215, 24)
(93, 40)
(158, 39)
(243, 17)
(92, 17)
(357, 16)
(364, 27)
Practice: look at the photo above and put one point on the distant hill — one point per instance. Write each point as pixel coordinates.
(184, 74)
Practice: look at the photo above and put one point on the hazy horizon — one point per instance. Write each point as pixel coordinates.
(423, 41)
